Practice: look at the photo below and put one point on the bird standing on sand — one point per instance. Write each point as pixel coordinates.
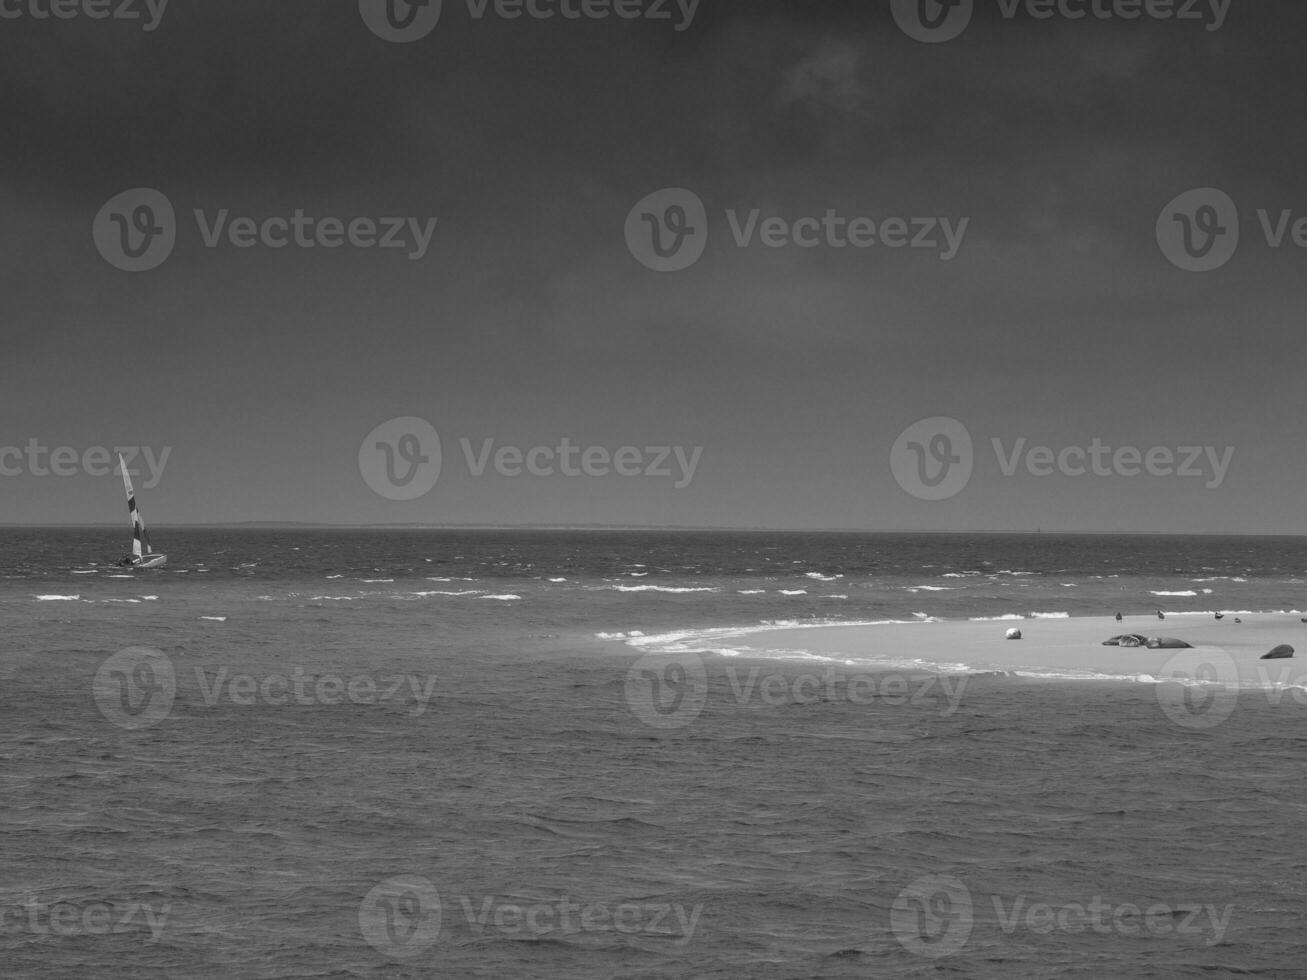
(1220, 615)
(1160, 614)
(1118, 617)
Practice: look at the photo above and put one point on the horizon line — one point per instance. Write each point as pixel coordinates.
(330, 525)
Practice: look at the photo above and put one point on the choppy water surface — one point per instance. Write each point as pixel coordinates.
(425, 754)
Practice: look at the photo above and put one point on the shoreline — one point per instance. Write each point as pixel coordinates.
(1221, 651)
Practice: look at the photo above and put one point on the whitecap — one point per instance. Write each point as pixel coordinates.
(658, 588)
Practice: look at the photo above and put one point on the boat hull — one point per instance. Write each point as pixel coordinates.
(144, 561)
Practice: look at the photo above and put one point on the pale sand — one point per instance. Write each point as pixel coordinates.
(1067, 647)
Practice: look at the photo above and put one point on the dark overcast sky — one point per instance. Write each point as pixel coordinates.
(528, 320)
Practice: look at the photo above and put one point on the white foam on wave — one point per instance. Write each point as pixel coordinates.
(794, 591)
(377, 581)
(928, 588)
(505, 598)
(1183, 592)
(658, 588)
(556, 580)
(960, 574)
(58, 598)
(752, 591)
(834, 597)
(1052, 615)
(995, 619)
(724, 639)
(86, 571)
(463, 592)
(216, 619)
(822, 578)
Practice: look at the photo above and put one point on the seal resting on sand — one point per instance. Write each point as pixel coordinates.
(1167, 643)
(1282, 652)
(1126, 640)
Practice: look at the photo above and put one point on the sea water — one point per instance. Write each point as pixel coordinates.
(392, 753)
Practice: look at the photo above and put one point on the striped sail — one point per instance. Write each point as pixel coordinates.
(140, 537)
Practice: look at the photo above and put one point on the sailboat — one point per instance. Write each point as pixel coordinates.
(142, 556)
